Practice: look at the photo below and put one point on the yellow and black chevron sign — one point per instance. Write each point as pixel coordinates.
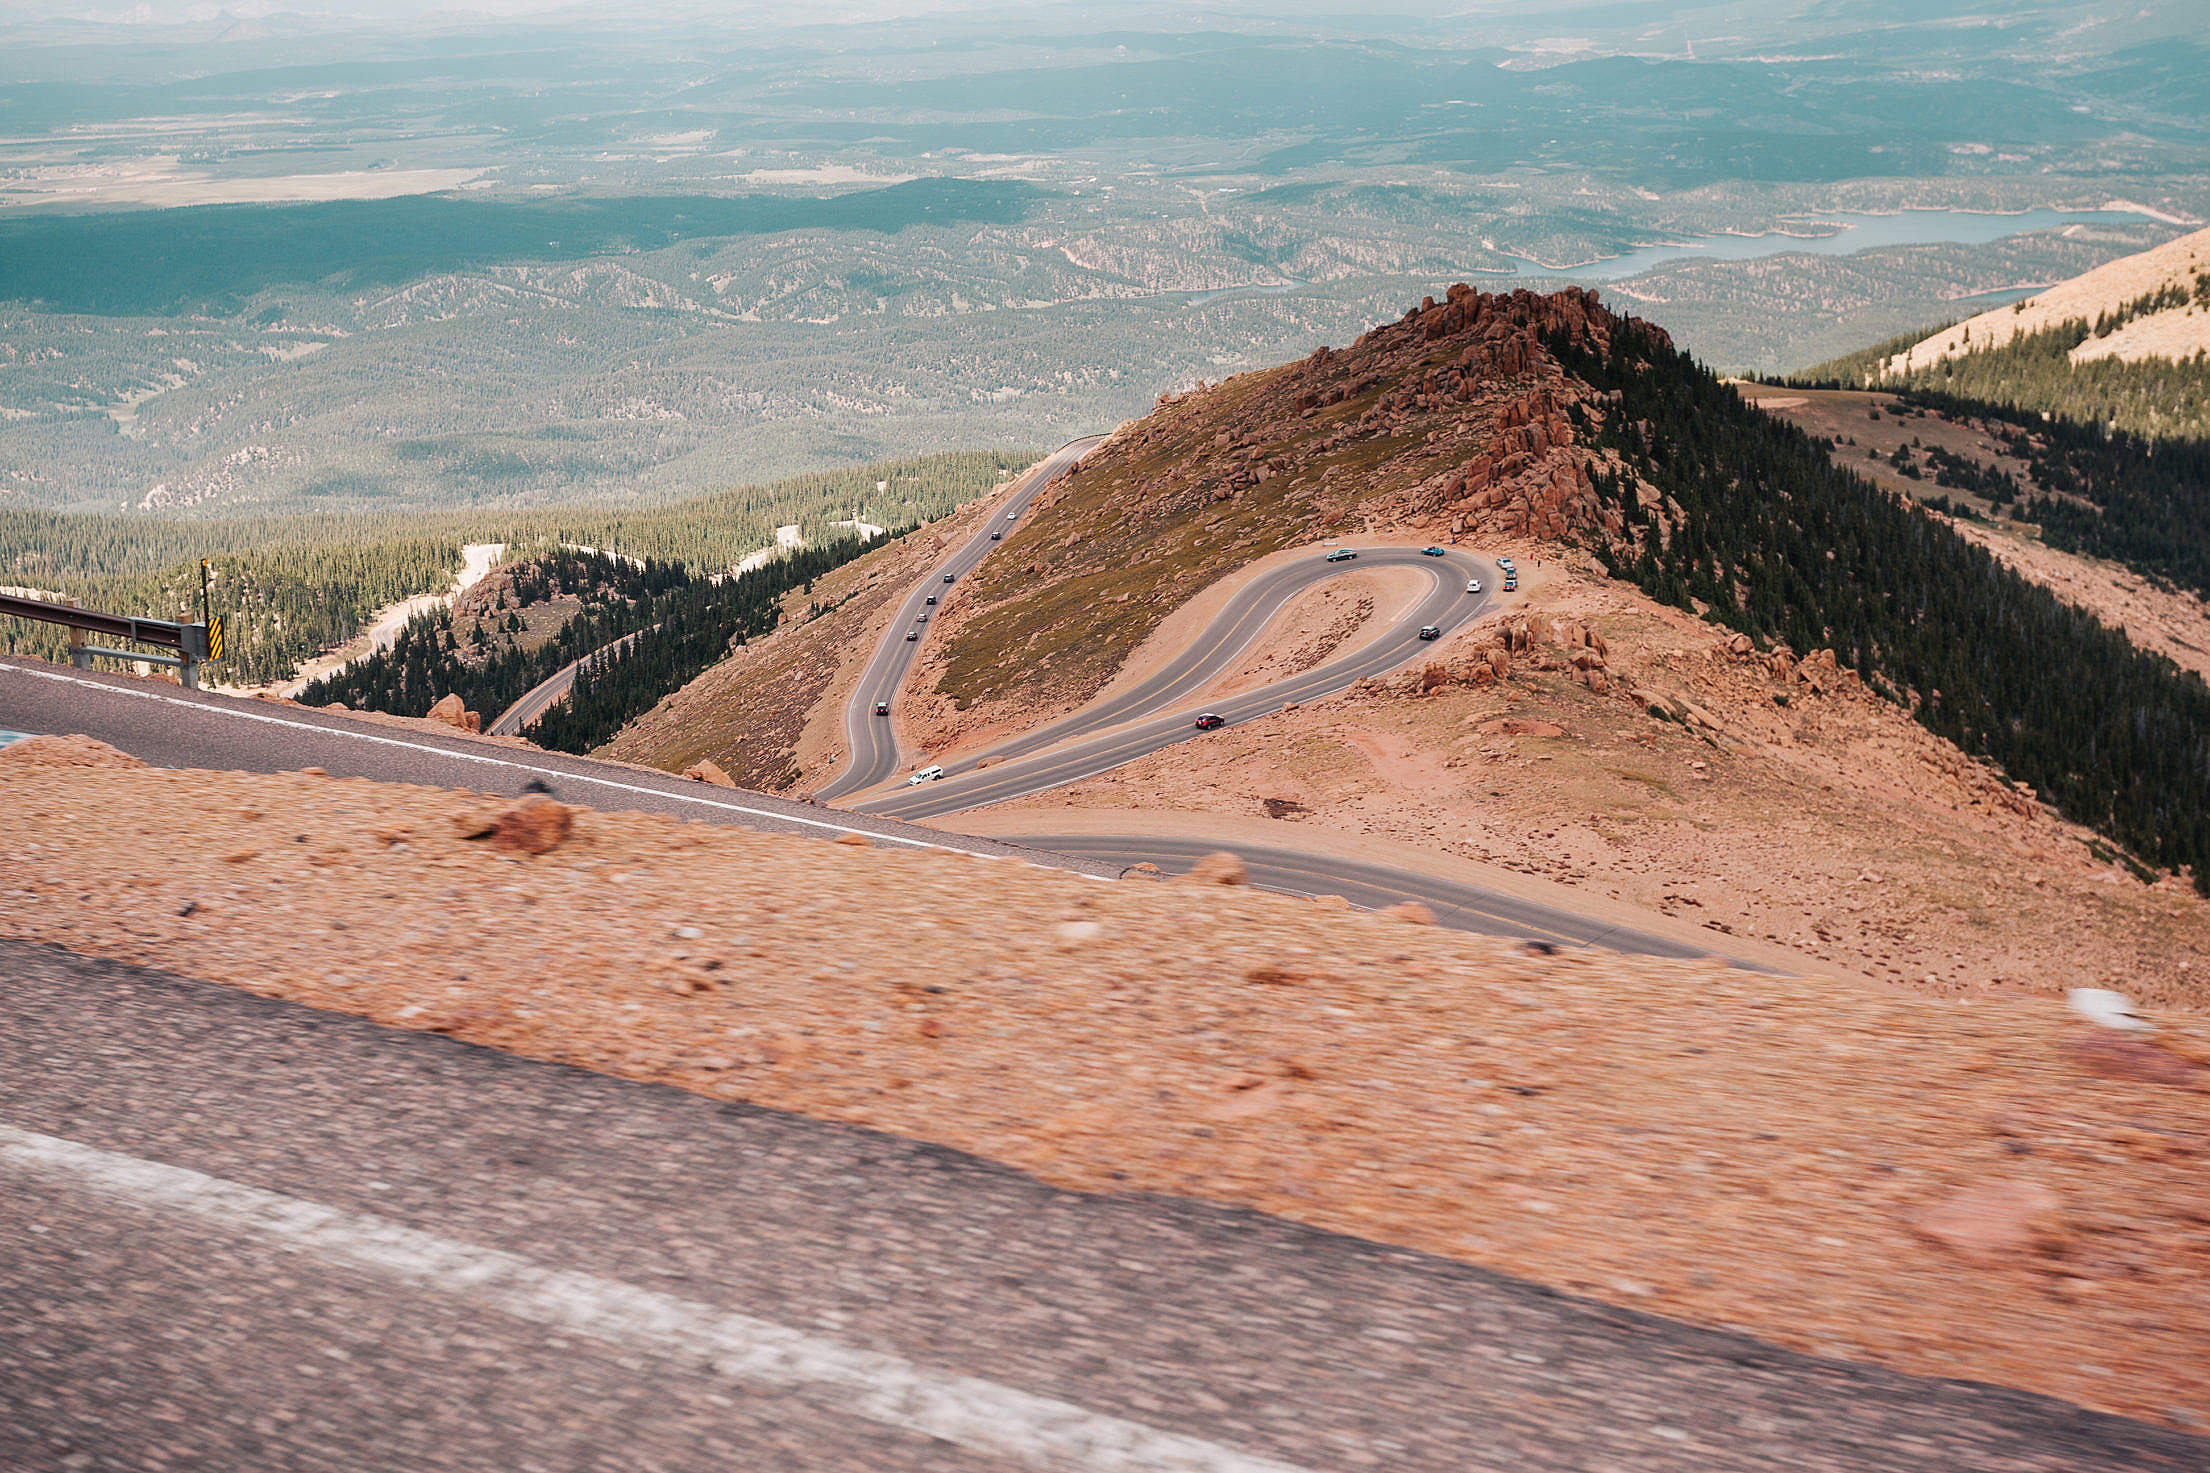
(215, 637)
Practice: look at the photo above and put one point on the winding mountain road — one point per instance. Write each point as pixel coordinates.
(538, 698)
(868, 738)
(1123, 727)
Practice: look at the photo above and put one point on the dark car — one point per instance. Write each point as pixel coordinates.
(912, 635)
(932, 599)
(920, 618)
(1341, 555)
(882, 708)
(1429, 631)
(1208, 721)
(1433, 552)
(947, 577)
(997, 536)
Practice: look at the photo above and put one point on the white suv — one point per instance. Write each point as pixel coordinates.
(929, 774)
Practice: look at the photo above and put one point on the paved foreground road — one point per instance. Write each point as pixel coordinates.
(168, 727)
(188, 729)
(241, 1235)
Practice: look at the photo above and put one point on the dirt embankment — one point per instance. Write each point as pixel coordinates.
(1982, 1187)
(1794, 808)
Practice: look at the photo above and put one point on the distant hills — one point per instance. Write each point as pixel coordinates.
(2126, 344)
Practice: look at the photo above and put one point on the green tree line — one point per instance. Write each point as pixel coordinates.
(293, 587)
(2034, 372)
(692, 631)
(1775, 540)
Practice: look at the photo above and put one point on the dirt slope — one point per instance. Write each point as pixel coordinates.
(1755, 797)
(1982, 1188)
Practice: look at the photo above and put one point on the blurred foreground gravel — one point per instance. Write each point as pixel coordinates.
(135, 1337)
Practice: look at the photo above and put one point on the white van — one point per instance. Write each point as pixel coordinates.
(929, 774)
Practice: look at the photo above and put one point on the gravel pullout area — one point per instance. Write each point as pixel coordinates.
(1791, 1157)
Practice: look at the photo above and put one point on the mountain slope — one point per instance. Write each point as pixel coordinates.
(2155, 304)
(2127, 343)
(1451, 420)
(1549, 417)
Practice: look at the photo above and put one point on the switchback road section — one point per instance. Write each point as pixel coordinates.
(872, 745)
(1121, 728)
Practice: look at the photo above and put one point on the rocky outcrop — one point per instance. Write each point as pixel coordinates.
(1500, 426)
(1537, 642)
(450, 711)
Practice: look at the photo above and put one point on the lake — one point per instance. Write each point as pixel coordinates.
(1840, 233)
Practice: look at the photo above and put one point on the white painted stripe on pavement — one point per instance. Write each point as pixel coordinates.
(982, 1416)
(490, 761)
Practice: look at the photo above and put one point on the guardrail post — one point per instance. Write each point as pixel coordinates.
(79, 656)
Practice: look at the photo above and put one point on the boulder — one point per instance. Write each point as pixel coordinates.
(450, 711)
(1219, 869)
(707, 770)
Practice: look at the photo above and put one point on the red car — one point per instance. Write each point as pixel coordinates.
(1208, 721)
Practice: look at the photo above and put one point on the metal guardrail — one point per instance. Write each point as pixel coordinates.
(194, 644)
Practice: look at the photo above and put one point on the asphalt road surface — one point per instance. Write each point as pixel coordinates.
(534, 700)
(239, 1234)
(872, 745)
(1372, 886)
(169, 727)
(1120, 729)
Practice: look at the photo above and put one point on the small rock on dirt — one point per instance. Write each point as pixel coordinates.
(1411, 912)
(2106, 1009)
(1075, 935)
(536, 825)
(1995, 1221)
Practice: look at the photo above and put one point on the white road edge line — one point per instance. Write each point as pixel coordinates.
(983, 1416)
(553, 772)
